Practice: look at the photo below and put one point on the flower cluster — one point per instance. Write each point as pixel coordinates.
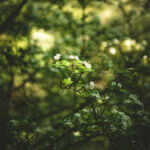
(57, 56)
(74, 57)
(92, 85)
(123, 119)
(72, 70)
(87, 65)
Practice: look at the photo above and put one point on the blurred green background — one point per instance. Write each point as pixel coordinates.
(113, 35)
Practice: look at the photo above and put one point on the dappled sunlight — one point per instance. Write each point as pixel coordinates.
(132, 45)
(77, 133)
(108, 13)
(76, 11)
(22, 43)
(42, 38)
(112, 50)
(35, 89)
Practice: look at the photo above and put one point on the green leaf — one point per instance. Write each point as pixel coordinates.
(67, 81)
(65, 63)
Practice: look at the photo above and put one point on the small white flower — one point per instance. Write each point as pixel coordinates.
(92, 85)
(85, 111)
(77, 115)
(57, 56)
(87, 65)
(119, 85)
(71, 57)
(76, 57)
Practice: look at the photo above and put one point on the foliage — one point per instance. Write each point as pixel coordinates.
(71, 77)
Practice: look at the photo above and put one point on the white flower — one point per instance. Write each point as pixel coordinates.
(77, 115)
(92, 85)
(71, 57)
(119, 85)
(85, 111)
(76, 57)
(87, 65)
(57, 56)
